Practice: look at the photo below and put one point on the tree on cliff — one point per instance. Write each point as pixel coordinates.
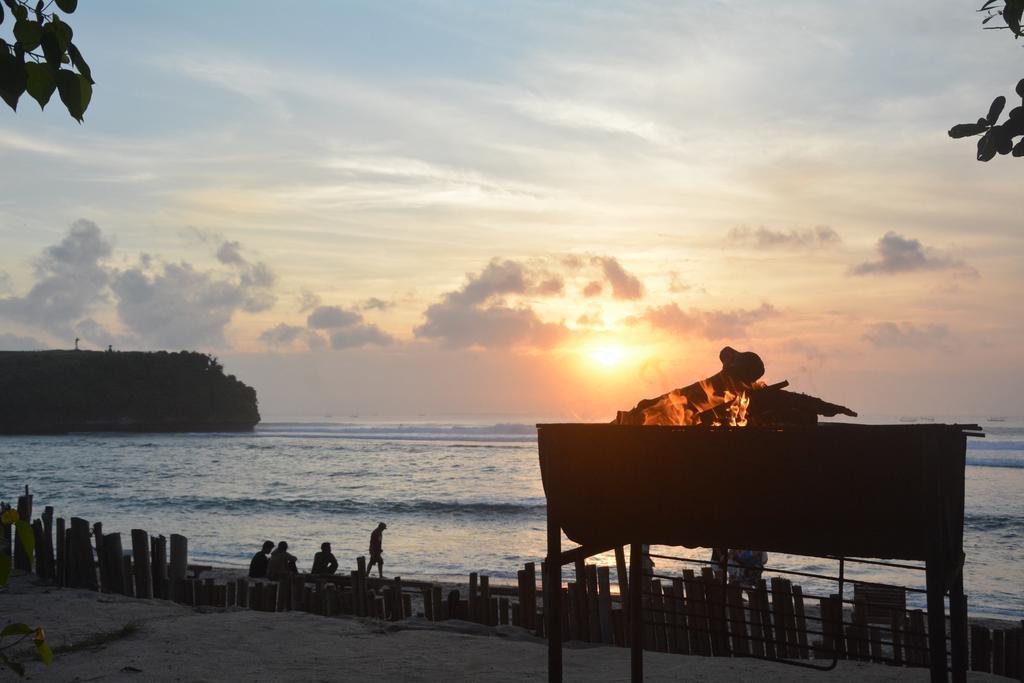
(998, 138)
(42, 57)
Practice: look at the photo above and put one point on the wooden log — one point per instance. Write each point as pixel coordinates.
(779, 616)
(84, 561)
(362, 590)
(682, 637)
(896, 629)
(61, 560)
(37, 548)
(428, 604)
(593, 611)
(158, 566)
(178, 566)
(439, 606)
(530, 598)
(522, 618)
(102, 564)
(140, 560)
(503, 611)
(21, 559)
(112, 564)
(484, 603)
(473, 597)
(604, 605)
(658, 616)
(764, 608)
(999, 652)
(737, 620)
(696, 614)
(48, 542)
(801, 622)
(397, 607)
(453, 604)
(715, 602)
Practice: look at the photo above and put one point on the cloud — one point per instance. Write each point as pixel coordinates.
(899, 254)
(707, 324)
(624, 285)
(230, 253)
(593, 288)
(373, 303)
(819, 237)
(326, 317)
(14, 342)
(676, 283)
(284, 335)
(308, 300)
(891, 335)
(359, 335)
(70, 280)
(478, 315)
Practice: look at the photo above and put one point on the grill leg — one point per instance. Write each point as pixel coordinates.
(936, 619)
(553, 598)
(958, 627)
(636, 619)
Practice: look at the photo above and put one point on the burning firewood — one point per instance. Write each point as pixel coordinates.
(733, 396)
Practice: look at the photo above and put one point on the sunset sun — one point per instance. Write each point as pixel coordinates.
(608, 355)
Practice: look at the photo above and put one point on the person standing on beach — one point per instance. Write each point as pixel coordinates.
(259, 561)
(377, 549)
(324, 561)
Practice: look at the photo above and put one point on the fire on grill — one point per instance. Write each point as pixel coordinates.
(735, 396)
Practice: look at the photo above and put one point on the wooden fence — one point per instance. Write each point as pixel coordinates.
(692, 613)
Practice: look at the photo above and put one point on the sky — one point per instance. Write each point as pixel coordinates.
(546, 209)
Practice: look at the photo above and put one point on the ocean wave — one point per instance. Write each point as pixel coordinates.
(340, 505)
(984, 522)
(995, 462)
(995, 446)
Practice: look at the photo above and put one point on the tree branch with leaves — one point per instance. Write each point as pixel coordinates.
(999, 138)
(42, 57)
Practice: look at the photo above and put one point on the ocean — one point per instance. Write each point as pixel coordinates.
(458, 496)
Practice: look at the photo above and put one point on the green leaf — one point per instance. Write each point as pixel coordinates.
(13, 79)
(79, 62)
(1018, 149)
(1020, 87)
(19, 12)
(5, 569)
(16, 630)
(75, 92)
(41, 82)
(962, 130)
(68, 6)
(28, 34)
(62, 31)
(44, 652)
(52, 49)
(986, 147)
(26, 536)
(995, 110)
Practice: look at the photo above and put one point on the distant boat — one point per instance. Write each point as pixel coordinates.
(997, 419)
(908, 419)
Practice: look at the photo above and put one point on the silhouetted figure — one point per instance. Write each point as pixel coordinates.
(282, 563)
(110, 348)
(259, 561)
(324, 562)
(76, 343)
(377, 550)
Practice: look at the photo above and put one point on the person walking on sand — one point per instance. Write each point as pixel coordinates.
(324, 561)
(282, 563)
(377, 550)
(259, 561)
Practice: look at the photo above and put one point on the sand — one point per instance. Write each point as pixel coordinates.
(169, 642)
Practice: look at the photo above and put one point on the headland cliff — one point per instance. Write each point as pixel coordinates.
(55, 392)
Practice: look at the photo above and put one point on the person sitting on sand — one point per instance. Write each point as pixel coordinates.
(282, 563)
(259, 561)
(324, 562)
(377, 550)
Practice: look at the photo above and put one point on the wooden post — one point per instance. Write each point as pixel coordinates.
(757, 638)
(593, 612)
(242, 592)
(406, 599)
(766, 620)
(896, 628)
(580, 602)
(875, 643)
(604, 604)
(127, 581)
(362, 603)
(573, 632)
(473, 598)
(21, 560)
(522, 619)
(682, 632)
(503, 610)
(660, 640)
(296, 593)
(486, 614)
(179, 562)
(158, 560)
(37, 535)
(737, 620)
(999, 652)
(696, 614)
(453, 604)
(97, 533)
(636, 617)
(397, 607)
(779, 617)
(439, 606)
(622, 576)
(916, 639)
(531, 597)
(140, 558)
(936, 586)
(801, 621)
(48, 541)
(84, 561)
(5, 532)
(112, 566)
(61, 555)
(715, 602)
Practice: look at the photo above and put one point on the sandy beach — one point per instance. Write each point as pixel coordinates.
(102, 637)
